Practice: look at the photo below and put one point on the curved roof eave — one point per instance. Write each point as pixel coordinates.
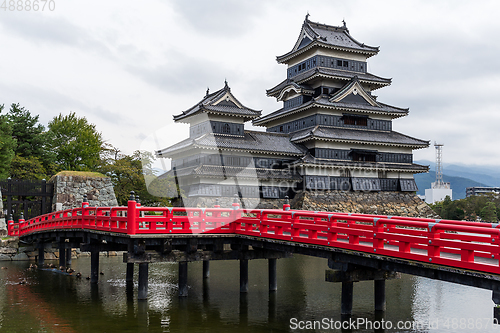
(263, 120)
(378, 85)
(387, 144)
(364, 166)
(283, 59)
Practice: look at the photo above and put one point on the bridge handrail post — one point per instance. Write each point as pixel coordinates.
(295, 225)
(132, 214)
(10, 226)
(434, 250)
(332, 232)
(378, 228)
(236, 224)
(22, 223)
(264, 223)
(85, 221)
(286, 205)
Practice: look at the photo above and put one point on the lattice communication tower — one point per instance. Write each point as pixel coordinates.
(439, 166)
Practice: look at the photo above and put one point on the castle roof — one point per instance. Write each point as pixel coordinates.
(218, 171)
(250, 142)
(221, 102)
(309, 160)
(325, 102)
(315, 34)
(322, 72)
(360, 136)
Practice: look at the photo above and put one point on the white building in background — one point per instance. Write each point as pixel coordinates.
(435, 194)
(439, 189)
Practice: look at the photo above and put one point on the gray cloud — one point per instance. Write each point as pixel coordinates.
(180, 73)
(49, 103)
(219, 17)
(53, 30)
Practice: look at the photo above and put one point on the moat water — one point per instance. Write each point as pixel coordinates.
(45, 301)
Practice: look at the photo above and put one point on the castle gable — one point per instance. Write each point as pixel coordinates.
(354, 93)
(222, 103)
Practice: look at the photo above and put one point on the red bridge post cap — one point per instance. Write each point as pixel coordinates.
(286, 205)
(236, 204)
(85, 202)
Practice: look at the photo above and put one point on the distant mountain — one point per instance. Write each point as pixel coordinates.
(460, 177)
(458, 184)
(485, 174)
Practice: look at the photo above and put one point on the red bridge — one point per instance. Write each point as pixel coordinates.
(358, 246)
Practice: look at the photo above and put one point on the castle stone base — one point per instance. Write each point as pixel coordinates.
(381, 203)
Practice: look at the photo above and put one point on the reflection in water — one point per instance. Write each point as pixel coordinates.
(52, 302)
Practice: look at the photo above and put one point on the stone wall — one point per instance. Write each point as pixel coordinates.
(380, 203)
(69, 191)
(12, 250)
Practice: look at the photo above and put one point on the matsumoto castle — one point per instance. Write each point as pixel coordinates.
(331, 134)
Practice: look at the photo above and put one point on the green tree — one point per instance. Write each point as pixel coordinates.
(31, 153)
(489, 212)
(74, 143)
(128, 173)
(485, 206)
(27, 168)
(7, 145)
(27, 131)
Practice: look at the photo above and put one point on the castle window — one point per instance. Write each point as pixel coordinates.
(345, 173)
(226, 129)
(339, 63)
(345, 63)
(325, 90)
(281, 128)
(363, 155)
(355, 120)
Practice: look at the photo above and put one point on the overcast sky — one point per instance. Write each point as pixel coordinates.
(129, 66)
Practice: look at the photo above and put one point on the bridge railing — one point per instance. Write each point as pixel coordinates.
(461, 244)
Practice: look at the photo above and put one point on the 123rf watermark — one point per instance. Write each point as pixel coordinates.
(455, 324)
(27, 5)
